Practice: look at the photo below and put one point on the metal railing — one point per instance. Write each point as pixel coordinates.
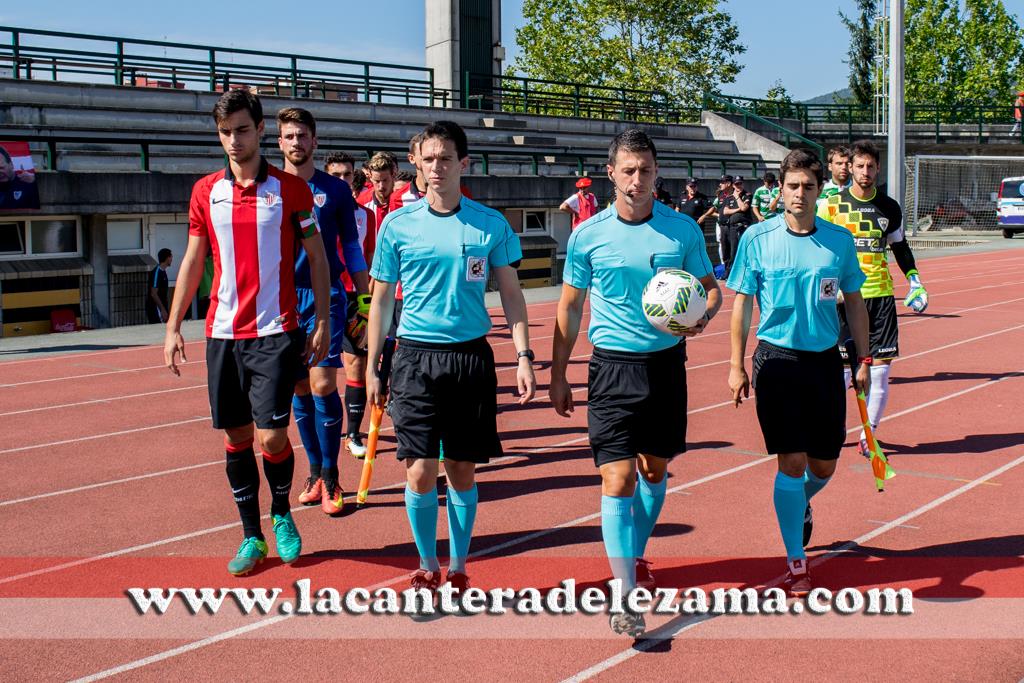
(942, 120)
(56, 55)
(514, 94)
(50, 145)
(713, 101)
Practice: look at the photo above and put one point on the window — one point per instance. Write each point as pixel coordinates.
(12, 238)
(125, 235)
(44, 236)
(528, 221)
(55, 236)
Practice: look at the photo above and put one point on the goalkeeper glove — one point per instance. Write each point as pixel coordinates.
(361, 315)
(917, 298)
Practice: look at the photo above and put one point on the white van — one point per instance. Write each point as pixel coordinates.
(1010, 206)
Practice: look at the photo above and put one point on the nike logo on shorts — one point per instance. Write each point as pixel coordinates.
(279, 417)
(332, 355)
(331, 424)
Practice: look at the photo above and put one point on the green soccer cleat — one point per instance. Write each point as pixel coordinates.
(287, 539)
(250, 553)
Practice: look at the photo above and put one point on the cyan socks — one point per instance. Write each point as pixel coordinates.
(461, 515)
(619, 533)
(647, 503)
(790, 504)
(421, 508)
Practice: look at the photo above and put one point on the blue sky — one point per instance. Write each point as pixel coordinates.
(395, 33)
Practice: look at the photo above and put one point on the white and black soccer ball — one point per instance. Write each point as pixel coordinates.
(674, 301)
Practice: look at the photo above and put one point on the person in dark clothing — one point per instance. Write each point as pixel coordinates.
(156, 293)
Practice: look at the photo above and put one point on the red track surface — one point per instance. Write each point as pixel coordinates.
(110, 477)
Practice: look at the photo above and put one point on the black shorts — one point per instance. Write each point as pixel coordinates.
(252, 380)
(348, 344)
(637, 404)
(884, 334)
(801, 401)
(445, 392)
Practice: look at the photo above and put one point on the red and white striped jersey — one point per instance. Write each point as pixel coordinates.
(404, 196)
(366, 226)
(254, 235)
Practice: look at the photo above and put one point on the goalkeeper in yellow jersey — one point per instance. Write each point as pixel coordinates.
(876, 222)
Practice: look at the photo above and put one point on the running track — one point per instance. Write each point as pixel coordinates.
(111, 477)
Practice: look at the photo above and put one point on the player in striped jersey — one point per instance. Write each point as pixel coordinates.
(839, 173)
(253, 217)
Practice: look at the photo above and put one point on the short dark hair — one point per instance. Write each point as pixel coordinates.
(448, 130)
(405, 176)
(339, 158)
(358, 179)
(865, 148)
(414, 142)
(296, 115)
(769, 177)
(163, 254)
(802, 159)
(238, 99)
(631, 140)
(838, 151)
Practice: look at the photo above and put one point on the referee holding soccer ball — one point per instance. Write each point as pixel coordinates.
(637, 379)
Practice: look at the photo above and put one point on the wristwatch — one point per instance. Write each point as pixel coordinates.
(528, 353)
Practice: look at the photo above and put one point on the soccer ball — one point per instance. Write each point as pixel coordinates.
(674, 301)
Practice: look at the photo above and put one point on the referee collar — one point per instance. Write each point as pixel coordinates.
(261, 175)
(639, 222)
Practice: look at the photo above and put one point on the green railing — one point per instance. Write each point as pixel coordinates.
(980, 117)
(715, 102)
(513, 94)
(55, 55)
(49, 145)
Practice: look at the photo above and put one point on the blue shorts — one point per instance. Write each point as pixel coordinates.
(307, 318)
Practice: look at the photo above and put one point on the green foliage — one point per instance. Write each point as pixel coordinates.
(679, 49)
(862, 51)
(973, 56)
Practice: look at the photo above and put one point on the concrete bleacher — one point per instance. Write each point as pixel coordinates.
(502, 144)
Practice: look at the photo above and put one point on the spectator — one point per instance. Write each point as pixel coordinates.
(18, 190)
(156, 299)
(581, 205)
(736, 210)
(1018, 108)
(695, 203)
(724, 192)
(662, 194)
(765, 202)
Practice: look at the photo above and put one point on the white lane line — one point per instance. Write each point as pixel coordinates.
(270, 621)
(102, 436)
(101, 400)
(670, 630)
(98, 374)
(659, 635)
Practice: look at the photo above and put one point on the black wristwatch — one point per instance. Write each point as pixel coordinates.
(528, 353)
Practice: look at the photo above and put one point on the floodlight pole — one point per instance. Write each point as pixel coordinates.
(897, 174)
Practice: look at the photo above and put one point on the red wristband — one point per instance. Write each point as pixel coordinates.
(866, 359)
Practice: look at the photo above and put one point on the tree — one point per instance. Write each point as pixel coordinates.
(682, 49)
(992, 53)
(933, 58)
(862, 51)
(784, 102)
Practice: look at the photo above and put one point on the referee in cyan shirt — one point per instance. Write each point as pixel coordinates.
(796, 265)
(637, 384)
(443, 382)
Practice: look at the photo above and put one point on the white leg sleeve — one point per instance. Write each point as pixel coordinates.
(879, 395)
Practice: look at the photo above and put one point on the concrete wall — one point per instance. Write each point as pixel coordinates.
(747, 142)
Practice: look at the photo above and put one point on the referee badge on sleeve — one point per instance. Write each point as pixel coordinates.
(828, 289)
(476, 269)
